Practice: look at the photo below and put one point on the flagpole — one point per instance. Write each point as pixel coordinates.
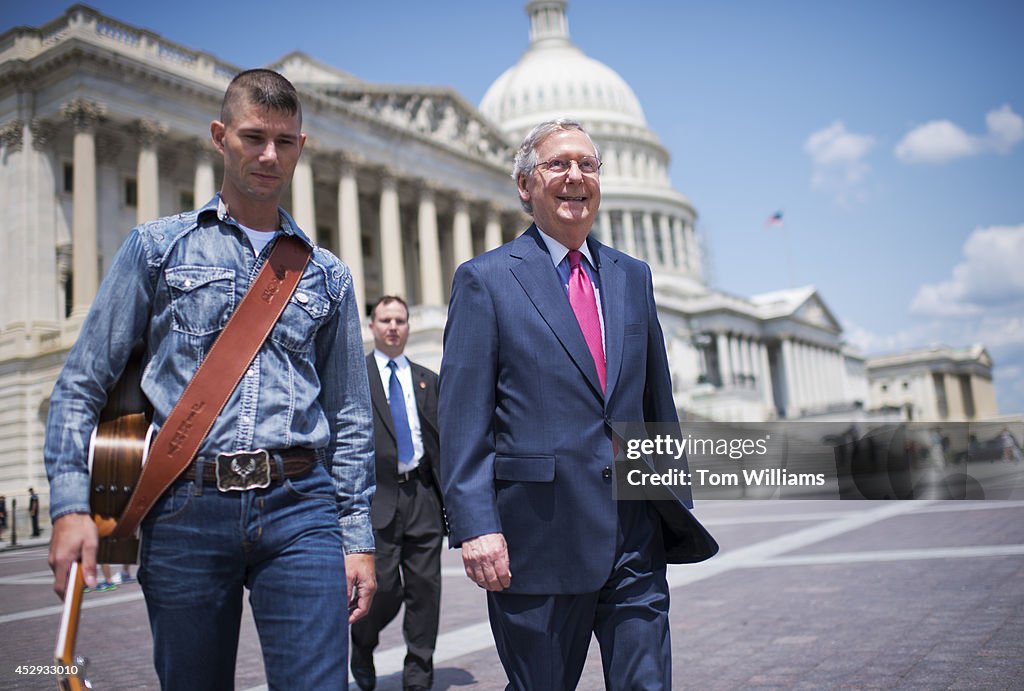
(789, 256)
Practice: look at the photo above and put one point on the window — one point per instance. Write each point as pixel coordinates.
(69, 177)
(131, 192)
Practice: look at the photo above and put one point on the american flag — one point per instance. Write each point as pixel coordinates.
(774, 221)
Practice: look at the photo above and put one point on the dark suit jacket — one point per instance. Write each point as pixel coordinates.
(424, 382)
(525, 427)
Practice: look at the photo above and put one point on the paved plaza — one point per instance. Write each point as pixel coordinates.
(804, 595)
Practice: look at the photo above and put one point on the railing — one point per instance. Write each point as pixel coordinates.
(86, 24)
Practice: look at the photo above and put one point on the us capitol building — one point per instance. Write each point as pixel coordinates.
(104, 125)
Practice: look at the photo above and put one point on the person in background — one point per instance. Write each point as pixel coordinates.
(407, 512)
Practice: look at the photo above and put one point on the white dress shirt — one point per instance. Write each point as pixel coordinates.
(405, 379)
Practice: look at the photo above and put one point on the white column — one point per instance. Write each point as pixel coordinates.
(492, 229)
(725, 370)
(839, 375)
(85, 260)
(391, 255)
(791, 398)
(680, 244)
(204, 186)
(747, 348)
(650, 242)
(692, 249)
(667, 241)
(462, 233)
(147, 171)
(629, 236)
(806, 375)
(303, 203)
(350, 234)
(767, 390)
(604, 228)
(431, 290)
(822, 372)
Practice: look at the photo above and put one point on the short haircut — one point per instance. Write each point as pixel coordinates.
(526, 155)
(387, 300)
(260, 87)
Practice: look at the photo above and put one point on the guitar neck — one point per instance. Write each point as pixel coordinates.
(64, 652)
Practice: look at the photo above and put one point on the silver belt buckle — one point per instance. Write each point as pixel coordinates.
(243, 470)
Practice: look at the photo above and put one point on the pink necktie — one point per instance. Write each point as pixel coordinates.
(584, 305)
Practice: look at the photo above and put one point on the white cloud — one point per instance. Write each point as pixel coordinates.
(989, 277)
(941, 141)
(936, 142)
(982, 301)
(838, 156)
(1005, 128)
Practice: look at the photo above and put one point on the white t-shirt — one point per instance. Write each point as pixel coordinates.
(258, 238)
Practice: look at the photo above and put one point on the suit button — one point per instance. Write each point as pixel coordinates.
(607, 472)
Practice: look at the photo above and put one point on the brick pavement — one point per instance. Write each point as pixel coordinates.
(796, 600)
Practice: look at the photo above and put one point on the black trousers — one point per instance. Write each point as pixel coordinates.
(408, 565)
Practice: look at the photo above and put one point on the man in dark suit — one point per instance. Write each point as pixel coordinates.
(551, 338)
(407, 514)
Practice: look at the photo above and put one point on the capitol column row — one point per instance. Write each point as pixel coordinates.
(767, 388)
(392, 257)
(431, 289)
(629, 233)
(725, 370)
(204, 185)
(650, 242)
(492, 229)
(147, 174)
(792, 402)
(303, 204)
(667, 242)
(350, 238)
(84, 116)
(462, 233)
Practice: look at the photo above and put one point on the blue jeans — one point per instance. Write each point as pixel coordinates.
(201, 547)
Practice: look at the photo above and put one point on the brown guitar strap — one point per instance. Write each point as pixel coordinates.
(205, 396)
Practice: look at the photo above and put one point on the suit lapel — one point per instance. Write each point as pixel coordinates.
(377, 395)
(531, 265)
(613, 307)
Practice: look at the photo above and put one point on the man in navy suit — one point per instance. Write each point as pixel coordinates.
(551, 338)
(407, 514)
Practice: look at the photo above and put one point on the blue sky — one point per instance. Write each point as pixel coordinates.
(890, 134)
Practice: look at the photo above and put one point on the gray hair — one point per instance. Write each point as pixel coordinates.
(526, 155)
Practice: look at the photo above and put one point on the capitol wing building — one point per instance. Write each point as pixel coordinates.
(104, 125)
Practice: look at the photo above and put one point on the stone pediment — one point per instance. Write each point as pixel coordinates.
(436, 113)
(301, 69)
(814, 311)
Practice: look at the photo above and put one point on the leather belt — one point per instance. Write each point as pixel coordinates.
(297, 461)
(418, 471)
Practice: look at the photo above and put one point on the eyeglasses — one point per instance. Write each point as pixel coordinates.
(588, 165)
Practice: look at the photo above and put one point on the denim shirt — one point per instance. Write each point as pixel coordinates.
(174, 284)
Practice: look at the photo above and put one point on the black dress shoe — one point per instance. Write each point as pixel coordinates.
(366, 677)
(415, 688)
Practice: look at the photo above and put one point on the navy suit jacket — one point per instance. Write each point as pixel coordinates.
(424, 382)
(525, 428)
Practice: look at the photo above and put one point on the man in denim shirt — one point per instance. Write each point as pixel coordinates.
(303, 546)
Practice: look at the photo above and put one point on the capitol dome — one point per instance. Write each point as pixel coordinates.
(641, 213)
(554, 78)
